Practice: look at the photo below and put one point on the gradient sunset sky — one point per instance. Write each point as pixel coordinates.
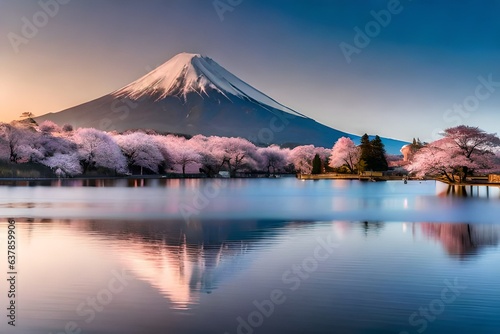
(403, 84)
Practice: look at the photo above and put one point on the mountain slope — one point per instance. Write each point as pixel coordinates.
(191, 94)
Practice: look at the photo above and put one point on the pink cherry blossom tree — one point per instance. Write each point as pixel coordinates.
(141, 150)
(59, 153)
(49, 127)
(12, 138)
(48, 144)
(28, 153)
(162, 143)
(98, 149)
(345, 153)
(186, 157)
(463, 151)
(211, 158)
(301, 157)
(273, 159)
(472, 140)
(20, 143)
(238, 153)
(181, 153)
(218, 153)
(439, 158)
(64, 165)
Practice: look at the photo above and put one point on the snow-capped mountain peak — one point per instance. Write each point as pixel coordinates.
(177, 75)
(188, 72)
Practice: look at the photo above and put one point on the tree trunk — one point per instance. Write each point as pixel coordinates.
(464, 175)
(449, 178)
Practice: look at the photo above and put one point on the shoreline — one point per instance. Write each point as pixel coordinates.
(476, 181)
(349, 177)
(139, 177)
(331, 176)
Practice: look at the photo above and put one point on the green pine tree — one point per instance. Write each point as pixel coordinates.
(373, 154)
(378, 160)
(366, 149)
(316, 165)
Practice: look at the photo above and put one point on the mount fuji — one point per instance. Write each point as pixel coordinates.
(191, 94)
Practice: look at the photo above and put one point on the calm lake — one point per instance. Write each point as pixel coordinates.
(251, 256)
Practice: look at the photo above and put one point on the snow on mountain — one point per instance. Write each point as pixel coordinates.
(188, 72)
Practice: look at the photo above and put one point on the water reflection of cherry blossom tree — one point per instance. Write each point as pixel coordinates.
(462, 239)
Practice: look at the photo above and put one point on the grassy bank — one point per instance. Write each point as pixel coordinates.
(25, 170)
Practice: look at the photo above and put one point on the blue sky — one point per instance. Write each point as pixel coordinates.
(411, 80)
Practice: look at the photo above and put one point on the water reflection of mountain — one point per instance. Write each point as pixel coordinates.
(183, 259)
(195, 233)
(463, 239)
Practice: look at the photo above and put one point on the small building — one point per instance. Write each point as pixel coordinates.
(406, 151)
